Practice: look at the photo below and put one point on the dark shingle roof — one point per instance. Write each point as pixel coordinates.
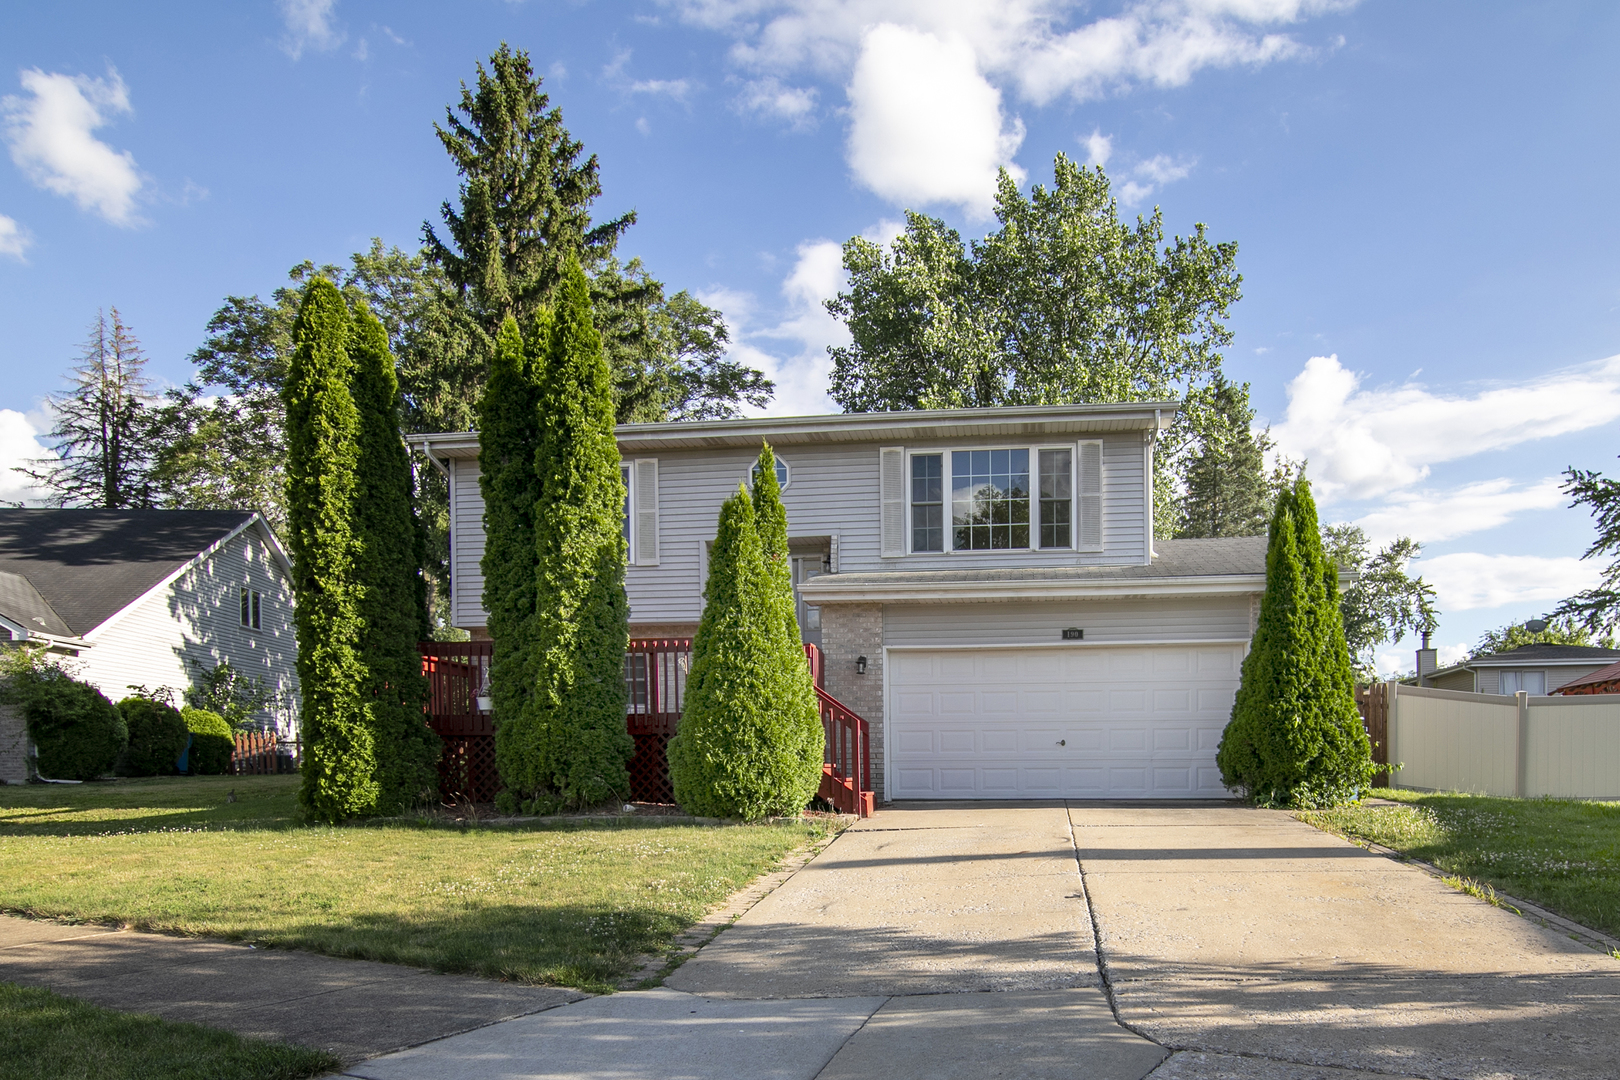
(21, 603)
(90, 564)
(1541, 653)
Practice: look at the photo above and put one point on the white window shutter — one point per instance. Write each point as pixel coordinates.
(1089, 496)
(892, 495)
(646, 495)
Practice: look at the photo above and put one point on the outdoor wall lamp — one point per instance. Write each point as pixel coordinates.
(860, 665)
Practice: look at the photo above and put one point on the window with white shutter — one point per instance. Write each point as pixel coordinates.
(1088, 497)
(645, 492)
(892, 496)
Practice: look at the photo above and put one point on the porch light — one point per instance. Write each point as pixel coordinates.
(860, 665)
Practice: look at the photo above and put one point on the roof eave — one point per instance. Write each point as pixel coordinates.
(828, 589)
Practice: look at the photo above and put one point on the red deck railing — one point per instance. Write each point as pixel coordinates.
(655, 673)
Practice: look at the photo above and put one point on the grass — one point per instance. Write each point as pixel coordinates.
(566, 902)
(1563, 854)
(44, 1036)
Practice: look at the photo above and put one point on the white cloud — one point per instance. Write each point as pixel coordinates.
(51, 141)
(675, 88)
(771, 97)
(1099, 148)
(801, 369)
(926, 127)
(1150, 175)
(19, 444)
(310, 25)
(1365, 443)
(1431, 516)
(642, 125)
(1466, 580)
(13, 240)
(1396, 661)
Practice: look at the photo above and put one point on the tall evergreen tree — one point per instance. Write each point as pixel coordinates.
(582, 616)
(508, 440)
(801, 716)
(1227, 493)
(738, 753)
(105, 431)
(1295, 738)
(323, 431)
(393, 602)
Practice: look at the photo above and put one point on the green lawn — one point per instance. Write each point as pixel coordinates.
(1563, 854)
(44, 1036)
(562, 902)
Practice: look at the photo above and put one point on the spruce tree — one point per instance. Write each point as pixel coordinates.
(582, 615)
(388, 571)
(801, 716)
(1295, 738)
(1227, 493)
(508, 439)
(737, 751)
(340, 765)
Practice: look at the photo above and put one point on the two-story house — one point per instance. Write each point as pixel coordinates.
(984, 585)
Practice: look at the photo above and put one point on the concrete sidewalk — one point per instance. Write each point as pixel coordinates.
(945, 942)
(354, 1008)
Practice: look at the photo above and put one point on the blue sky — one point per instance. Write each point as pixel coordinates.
(1423, 195)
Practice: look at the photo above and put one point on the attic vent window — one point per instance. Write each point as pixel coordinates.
(781, 473)
(251, 601)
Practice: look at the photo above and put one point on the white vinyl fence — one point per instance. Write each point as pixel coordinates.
(1493, 744)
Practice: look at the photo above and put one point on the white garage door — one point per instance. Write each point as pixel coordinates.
(1095, 722)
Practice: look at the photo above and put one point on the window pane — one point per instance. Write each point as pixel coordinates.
(255, 611)
(989, 499)
(927, 502)
(1057, 501)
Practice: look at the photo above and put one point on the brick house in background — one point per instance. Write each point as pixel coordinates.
(984, 585)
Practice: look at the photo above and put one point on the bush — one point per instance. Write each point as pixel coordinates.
(739, 752)
(1295, 738)
(157, 737)
(79, 733)
(212, 743)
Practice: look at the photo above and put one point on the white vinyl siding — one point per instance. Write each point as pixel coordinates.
(835, 492)
(1214, 618)
(197, 618)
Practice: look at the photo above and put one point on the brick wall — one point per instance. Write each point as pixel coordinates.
(849, 631)
(13, 748)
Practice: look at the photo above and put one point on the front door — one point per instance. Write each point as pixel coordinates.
(806, 567)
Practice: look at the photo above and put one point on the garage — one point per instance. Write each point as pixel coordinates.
(1083, 722)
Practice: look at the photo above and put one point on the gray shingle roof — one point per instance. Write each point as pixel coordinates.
(1541, 653)
(87, 565)
(21, 603)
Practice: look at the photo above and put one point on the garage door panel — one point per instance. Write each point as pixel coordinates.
(1128, 722)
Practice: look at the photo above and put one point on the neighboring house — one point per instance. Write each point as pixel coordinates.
(984, 585)
(150, 598)
(1602, 681)
(1535, 669)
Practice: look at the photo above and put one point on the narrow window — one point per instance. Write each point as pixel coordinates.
(927, 502)
(624, 474)
(990, 499)
(250, 601)
(1057, 498)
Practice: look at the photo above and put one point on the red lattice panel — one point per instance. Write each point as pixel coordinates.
(467, 769)
(649, 769)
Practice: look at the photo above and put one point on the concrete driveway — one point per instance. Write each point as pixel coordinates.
(1093, 941)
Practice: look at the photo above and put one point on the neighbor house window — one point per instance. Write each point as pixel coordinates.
(928, 502)
(250, 608)
(1057, 498)
(989, 499)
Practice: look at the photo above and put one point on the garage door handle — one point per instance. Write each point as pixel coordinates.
(1063, 742)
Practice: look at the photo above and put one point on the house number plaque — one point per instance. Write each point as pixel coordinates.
(1073, 633)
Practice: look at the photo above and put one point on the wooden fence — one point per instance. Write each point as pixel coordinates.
(261, 753)
(1373, 702)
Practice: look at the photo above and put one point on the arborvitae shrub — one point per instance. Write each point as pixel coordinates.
(79, 733)
(582, 616)
(1296, 738)
(157, 737)
(212, 742)
(738, 751)
(388, 572)
(801, 716)
(339, 766)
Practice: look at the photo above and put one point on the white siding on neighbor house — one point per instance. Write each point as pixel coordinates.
(197, 617)
(1185, 618)
(833, 490)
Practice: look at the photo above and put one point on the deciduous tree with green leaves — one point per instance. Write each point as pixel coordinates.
(1384, 602)
(1295, 737)
(388, 572)
(1566, 630)
(323, 431)
(1597, 608)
